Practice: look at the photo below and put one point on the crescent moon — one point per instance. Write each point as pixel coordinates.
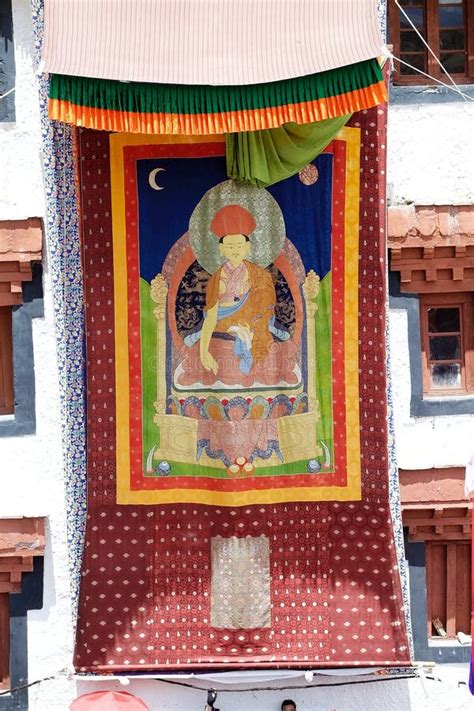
(152, 178)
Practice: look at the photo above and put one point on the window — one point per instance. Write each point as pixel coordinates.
(447, 343)
(6, 361)
(448, 28)
(21, 589)
(448, 584)
(7, 62)
(20, 286)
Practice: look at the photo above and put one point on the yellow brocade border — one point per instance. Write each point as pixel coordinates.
(351, 307)
(125, 495)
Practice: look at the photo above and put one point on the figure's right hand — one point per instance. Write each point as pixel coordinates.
(209, 362)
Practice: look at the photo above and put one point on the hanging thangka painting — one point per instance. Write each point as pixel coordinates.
(236, 326)
(238, 512)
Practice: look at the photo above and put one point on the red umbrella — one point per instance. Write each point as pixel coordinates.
(108, 701)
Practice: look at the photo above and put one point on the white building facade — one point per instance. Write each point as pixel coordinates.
(430, 135)
(430, 178)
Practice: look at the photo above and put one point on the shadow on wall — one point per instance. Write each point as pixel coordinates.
(24, 421)
(30, 598)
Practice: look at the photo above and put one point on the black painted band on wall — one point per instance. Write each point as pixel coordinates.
(30, 598)
(24, 420)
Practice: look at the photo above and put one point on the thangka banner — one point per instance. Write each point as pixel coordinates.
(236, 326)
(238, 509)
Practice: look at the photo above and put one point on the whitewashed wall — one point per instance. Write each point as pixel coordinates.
(423, 442)
(430, 162)
(31, 466)
(21, 186)
(442, 694)
(430, 147)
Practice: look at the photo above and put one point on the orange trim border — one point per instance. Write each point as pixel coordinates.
(217, 123)
(349, 491)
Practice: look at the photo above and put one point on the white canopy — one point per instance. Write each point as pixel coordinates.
(215, 42)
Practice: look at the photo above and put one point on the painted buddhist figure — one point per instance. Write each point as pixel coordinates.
(240, 296)
(237, 367)
(239, 343)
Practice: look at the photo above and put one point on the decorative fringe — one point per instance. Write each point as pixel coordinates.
(204, 110)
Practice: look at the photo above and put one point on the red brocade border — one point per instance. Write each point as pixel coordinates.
(137, 481)
(145, 593)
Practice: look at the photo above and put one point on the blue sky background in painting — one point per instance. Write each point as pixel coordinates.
(164, 215)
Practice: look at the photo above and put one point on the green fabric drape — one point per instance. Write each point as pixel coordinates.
(265, 157)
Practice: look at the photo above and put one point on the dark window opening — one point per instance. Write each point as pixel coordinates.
(447, 343)
(6, 362)
(4, 641)
(7, 63)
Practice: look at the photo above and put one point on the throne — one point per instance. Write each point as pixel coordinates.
(265, 419)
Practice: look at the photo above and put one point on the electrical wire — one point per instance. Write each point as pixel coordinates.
(186, 685)
(7, 93)
(32, 683)
(273, 688)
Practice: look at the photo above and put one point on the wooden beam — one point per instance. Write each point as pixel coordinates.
(443, 522)
(428, 592)
(451, 590)
(4, 641)
(422, 536)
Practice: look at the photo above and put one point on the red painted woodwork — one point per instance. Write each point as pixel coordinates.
(432, 269)
(431, 487)
(20, 245)
(4, 642)
(20, 540)
(6, 361)
(448, 583)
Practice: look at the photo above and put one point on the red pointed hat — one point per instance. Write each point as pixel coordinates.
(233, 220)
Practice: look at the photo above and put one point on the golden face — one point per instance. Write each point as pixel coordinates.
(234, 248)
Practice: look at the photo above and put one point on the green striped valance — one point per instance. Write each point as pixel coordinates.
(177, 109)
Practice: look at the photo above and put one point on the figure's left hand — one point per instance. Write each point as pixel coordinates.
(243, 332)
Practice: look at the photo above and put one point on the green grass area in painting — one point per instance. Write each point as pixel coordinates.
(148, 343)
(323, 385)
(325, 431)
(183, 469)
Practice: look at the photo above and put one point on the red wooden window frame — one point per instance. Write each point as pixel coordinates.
(464, 301)
(6, 362)
(4, 641)
(448, 586)
(431, 33)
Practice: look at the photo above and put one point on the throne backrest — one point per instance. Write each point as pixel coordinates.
(181, 257)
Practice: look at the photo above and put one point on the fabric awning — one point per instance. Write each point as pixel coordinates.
(207, 42)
